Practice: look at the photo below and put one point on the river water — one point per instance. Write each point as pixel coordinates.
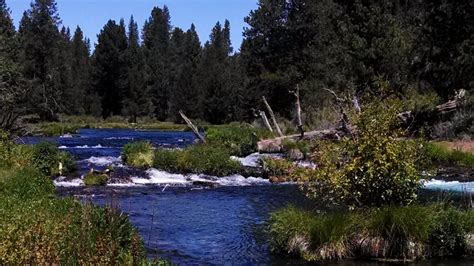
(188, 224)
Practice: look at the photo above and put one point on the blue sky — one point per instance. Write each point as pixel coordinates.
(91, 15)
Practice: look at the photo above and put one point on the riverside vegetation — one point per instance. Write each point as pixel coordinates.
(211, 158)
(372, 181)
(38, 228)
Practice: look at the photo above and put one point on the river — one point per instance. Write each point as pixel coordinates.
(189, 224)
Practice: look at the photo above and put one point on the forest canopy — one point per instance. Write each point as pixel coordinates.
(419, 47)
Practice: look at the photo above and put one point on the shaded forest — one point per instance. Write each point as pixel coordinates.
(421, 49)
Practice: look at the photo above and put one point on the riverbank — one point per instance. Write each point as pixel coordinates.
(36, 227)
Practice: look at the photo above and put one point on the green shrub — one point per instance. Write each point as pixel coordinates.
(447, 236)
(48, 159)
(241, 141)
(95, 179)
(372, 168)
(138, 154)
(197, 159)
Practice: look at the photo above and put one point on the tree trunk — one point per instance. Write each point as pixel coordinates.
(265, 121)
(272, 116)
(192, 127)
(299, 121)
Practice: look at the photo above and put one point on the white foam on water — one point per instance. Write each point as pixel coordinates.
(254, 159)
(158, 177)
(66, 136)
(119, 138)
(104, 161)
(238, 181)
(84, 147)
(71, 183)
(456, 186)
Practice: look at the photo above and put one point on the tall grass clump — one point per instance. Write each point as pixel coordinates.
(403, 233)
(197, 159)
(138, 154)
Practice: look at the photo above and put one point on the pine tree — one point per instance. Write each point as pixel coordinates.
(184, 95)
(81, 89)
(7, 32)
(214, 76)
(156, 37)
(40, 57)
(109, 67)
(12, 88)
(137, 101)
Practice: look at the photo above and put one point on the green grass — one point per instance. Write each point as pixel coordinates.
(57, 129)
(441, 155)
(390, 233)
(138, 154)
(197, 159)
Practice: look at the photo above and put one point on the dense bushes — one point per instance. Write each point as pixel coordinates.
(45, 157)
(51, 161)
(197, 159)
(372, 168)
(138, 154)
(391, 232)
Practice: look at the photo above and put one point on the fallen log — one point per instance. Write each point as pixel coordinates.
(275, 145)
(272, 116)
(192, 127)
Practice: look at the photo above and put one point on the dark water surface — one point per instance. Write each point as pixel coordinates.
(190, 225)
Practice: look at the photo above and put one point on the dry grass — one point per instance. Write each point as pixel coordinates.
(459, 145)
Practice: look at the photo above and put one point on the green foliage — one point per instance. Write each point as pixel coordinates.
(441, 155)
(390, 232)
(168, 160)
(95, 179)
(240, 140)
(198, 159)
(57, 129)
(448, 233)
(138, 154)
(25, 183)
(48, 158)
(374, 168)
(62, 231)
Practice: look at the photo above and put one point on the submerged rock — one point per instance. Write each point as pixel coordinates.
(207, 184)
